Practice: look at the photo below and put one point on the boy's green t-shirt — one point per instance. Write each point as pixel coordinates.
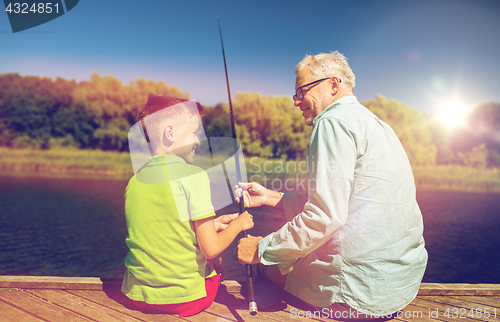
(163, 264)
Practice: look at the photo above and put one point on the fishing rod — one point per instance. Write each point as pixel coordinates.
(252, 305)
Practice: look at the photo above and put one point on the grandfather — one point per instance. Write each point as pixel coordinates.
(354, 242)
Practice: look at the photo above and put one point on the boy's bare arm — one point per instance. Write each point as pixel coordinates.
(221, 222)
(213, 243)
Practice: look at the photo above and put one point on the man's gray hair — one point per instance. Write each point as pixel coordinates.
(328, 65)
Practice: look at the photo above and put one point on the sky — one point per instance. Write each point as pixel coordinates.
(422, 53)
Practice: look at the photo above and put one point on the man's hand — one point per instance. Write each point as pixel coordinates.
(248, 250)
(254, 194)
(223, 221)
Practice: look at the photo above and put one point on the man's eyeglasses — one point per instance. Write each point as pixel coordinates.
(300, 92)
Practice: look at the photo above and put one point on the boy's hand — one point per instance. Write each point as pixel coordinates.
(223, 221)
(254, 194)
(245, 220)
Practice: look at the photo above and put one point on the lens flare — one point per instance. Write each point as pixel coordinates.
(453, 112)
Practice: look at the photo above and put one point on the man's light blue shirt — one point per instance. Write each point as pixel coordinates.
(356, 238)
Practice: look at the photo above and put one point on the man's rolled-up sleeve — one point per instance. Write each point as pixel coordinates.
(332, 158)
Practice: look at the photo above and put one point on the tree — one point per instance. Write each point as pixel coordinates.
(482, 128)
(477, 157)
(217, 121)
(113, 136)
(27, 105)
(484, 124)
(42, 113)
(271, 126)
(409, 125)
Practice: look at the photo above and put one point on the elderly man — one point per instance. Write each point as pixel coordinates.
(354, 243)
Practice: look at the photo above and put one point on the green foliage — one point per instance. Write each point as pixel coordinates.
(485, 119)
(113, 136)
(409, 125)
(62, 142)
(480, 134)
(477, 157)
(271, 126)
(42, 113)
(484, 127)
(27, 105)
(494, 158)
(217, 121)
(267, 126)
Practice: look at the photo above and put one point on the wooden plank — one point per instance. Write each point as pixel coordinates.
(427, 289)
(13, 314)
(492, 301)
(436, 310)
(273, 303)
(235, 306)
(230, 308)
(242, 313)
(232, 286)
(38, 307)
(457, 301)
(113, 298)
(295, 307)
(223, 309)
(82, 306)
(289, 307)
(414, 313)
(230, 305)
(463, 308)
(55, 282)
(204, 316)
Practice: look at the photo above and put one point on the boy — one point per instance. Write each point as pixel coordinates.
(170, 217)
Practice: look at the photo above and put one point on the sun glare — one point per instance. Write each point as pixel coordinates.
(452, 112)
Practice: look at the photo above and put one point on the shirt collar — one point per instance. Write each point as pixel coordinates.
(167, 158)
(343, 100)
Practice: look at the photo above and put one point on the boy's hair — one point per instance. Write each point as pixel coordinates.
(172, 108)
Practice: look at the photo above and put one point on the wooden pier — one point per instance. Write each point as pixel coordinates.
(54, 299)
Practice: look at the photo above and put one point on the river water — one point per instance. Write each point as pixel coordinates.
(76, 227)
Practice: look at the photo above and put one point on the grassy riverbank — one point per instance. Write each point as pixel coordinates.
(65, 163)
(115, 165)
(454, 177)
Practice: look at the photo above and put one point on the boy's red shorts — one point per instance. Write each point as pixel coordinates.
(187, 308)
